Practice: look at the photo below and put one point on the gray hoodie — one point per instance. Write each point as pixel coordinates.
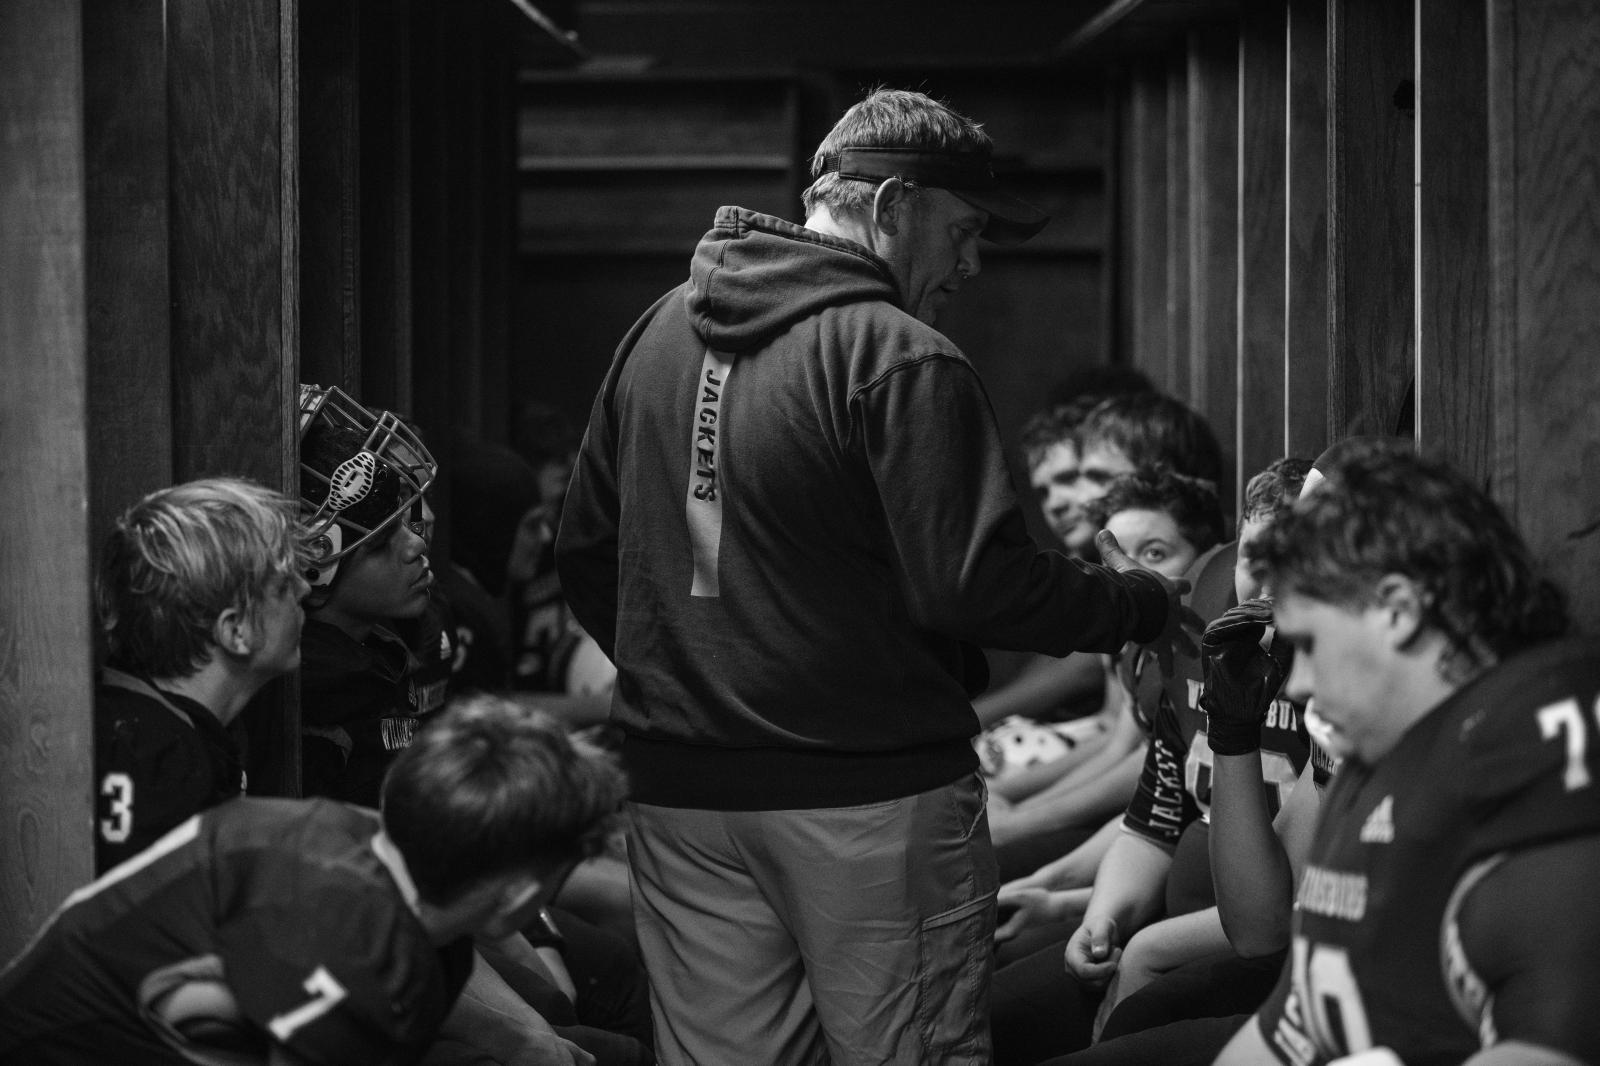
(790, 524)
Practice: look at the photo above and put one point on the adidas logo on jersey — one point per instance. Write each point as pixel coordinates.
(1379, 826)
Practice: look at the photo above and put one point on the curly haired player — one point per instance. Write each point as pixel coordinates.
(1446, 913)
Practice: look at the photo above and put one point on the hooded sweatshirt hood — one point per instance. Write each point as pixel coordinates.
(753, 276)
(790, 516)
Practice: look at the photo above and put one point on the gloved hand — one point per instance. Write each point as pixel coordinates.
(1242, 677)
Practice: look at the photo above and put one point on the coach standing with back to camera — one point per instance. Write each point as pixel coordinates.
(790, 524)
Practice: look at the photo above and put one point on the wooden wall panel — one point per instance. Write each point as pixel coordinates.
(1213, 117)
(1544, 146)
(1027, 323)
(1370, 141)
(385, 203)
(330, 194)
(1306, 332)
(45, 739)
(1263, 72)
(234, 268)
(129, 299)
(1454, 372)
(233, 237)
(1119, 264)
(495, 202)
(1149, 335)
(1175, 379)
(433, 344)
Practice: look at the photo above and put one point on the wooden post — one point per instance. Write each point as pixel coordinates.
(45, 748)
(1176, 378)
(1544, 150)
(1305, 313)
(1150, 331)
(1454, 371)
(233, 105)
(1261, 415)
(1213, 116)
(129, 298)
(1371, 284)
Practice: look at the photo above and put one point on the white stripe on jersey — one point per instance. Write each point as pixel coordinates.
(175, 839)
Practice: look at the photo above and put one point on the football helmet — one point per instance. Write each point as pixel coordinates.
(360, 470)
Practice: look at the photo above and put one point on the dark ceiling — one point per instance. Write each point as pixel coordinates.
(784, 34)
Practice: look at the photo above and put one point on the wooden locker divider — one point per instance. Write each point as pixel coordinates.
(233, 78)
(1305, 317)
(45, 684)
(1544, 150)
(1213, 117)
(129, 297)
(1261, 190)
(1370, 217)
(1149, 335)
(1176, 378)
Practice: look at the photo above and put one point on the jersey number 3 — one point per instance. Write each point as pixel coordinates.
(117, 788)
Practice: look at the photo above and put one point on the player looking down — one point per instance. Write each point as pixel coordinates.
(305, 931)
(1446, 913)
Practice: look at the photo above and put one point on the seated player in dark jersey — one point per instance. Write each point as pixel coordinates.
(198, 592)
(1171, 524)
(1183, 1012)
(363, 696)
(1118, 435)
(365, 690)
(1447, 911)
(306, 931)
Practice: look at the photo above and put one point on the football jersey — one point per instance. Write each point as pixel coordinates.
(1507, 762)
(284, 901)
(1175, 784)
(158, 758)
(359, 696)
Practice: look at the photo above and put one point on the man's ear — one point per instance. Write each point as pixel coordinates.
(516, 903)
(234, 631)
(1404, 606)
(889, 205)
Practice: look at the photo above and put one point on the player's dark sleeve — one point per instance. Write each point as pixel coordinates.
(1530, 931)
(336, 972)
(1531, 754)
(1161, 806)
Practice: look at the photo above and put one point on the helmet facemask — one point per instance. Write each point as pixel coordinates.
(360, 471)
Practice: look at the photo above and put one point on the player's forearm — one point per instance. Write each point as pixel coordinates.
(1173, 942)
(1112, 760)
(1131, 886)
(574, 711)
(1078, 867)
(1253, 879)
(1089, 804)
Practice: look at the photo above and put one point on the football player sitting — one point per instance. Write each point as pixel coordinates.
(309, 931)
(1446, 912)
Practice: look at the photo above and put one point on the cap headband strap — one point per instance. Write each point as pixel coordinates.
(942, 170)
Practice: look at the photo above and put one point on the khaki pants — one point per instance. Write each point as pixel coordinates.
(845, 935)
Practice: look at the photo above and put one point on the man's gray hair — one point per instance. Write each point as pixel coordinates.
(887, 118)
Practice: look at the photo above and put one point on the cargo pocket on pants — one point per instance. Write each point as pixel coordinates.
(956, 959)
